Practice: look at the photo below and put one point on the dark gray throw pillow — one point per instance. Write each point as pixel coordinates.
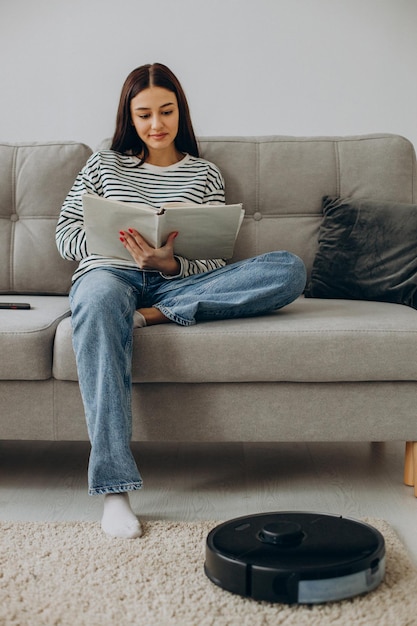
(367, 251)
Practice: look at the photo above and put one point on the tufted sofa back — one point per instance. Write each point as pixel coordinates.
(280, 180)
(34, 181)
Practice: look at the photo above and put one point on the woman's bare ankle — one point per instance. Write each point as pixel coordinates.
(153, 316)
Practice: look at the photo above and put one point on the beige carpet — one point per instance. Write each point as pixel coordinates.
(70, 574)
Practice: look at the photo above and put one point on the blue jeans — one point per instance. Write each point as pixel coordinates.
(103, 302)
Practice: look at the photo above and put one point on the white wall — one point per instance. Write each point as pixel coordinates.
(249, 67)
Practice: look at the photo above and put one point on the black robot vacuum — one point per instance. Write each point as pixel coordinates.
(295, 557)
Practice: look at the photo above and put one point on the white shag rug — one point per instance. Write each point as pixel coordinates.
(71, 574)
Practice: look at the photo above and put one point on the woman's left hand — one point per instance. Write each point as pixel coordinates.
(148, 258)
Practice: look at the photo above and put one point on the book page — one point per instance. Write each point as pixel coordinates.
(103, 219)
(204, 231)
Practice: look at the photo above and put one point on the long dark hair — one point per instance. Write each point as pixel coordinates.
(125, 138)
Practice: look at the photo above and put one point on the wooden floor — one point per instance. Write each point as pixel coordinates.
(47, 481)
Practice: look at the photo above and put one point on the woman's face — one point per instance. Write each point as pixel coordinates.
(155, 116)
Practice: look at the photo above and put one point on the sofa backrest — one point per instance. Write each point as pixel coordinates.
(34, 181)
(282, 180)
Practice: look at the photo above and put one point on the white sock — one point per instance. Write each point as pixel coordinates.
(118, 518)
(138, 320)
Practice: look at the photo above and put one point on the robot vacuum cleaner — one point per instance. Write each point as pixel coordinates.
(295, 557)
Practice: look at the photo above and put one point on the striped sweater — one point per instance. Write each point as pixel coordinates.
(121, 177)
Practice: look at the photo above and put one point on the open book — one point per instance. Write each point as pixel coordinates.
(205, 231)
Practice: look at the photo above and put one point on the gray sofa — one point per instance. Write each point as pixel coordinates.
(318, 370)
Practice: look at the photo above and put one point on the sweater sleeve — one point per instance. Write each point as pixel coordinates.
(70, 232)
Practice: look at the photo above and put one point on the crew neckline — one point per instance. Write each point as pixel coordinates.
(165, 168)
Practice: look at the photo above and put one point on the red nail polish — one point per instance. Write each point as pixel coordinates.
(130, 230)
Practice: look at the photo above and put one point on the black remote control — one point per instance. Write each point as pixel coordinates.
(14, 305)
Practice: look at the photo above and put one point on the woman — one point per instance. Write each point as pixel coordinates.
(153, 159)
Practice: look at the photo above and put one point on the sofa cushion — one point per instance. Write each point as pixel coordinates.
(35, 179)
(367, 251)
(27, 337)
(310, 340)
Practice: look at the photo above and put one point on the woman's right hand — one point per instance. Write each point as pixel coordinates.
(148, 258)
